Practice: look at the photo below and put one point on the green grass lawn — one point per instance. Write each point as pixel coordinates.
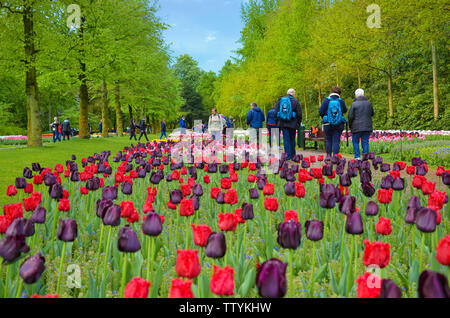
(12, 161)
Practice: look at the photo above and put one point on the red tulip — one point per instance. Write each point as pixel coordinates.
(418, 181)
(440, 170)
(225, 183)
(127, 209)
(251, 178)
(181, 289)
(222, 281)
(443, 251)
(300, 190)
(5, 222)
(384, 226)
(290, 215)
(376, 253)
(64, 205)
(436, 200)
(175, 175)
(234, 177)
(271, 204)
(186, 208)
(183, 171)
(227, 222)
(385, 196)
(28, 188)
(268, 189)
(231, 197)
(206, 179)
(411, 170)
(238, 214)
(201, 234)
(428, 187)
(38, 179)
(84, 190)
(401, 164)
(66, 194)
(188, 264)
(137, 288)
(369, 286)
(215, 193)
(185, 189)
(171, 206)
(46, 296)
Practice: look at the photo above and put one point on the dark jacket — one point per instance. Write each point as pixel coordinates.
(255, 118)
(270, 120)
(55, 126)
(163, 127)
(132, 125)
(294, 123)
(360, 115)
(142, 125)
(65, 127)
(323, 111)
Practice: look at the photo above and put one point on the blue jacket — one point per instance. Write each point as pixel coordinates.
(255, 118)
(271, 117)
(163, 127)
(182, 123)
(323, 111)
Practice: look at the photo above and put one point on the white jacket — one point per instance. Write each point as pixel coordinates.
(216, 123)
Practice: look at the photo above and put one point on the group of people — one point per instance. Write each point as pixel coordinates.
(61, 129)
(142, 128)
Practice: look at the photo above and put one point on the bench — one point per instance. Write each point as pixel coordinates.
(319, 137)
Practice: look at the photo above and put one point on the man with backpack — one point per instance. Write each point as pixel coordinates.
(255, 119)
(66, 129)
(163, 129)
(143, 129)
(332, 111)
(133, 129)
(288, 116)
(215, 124)
(183, 125)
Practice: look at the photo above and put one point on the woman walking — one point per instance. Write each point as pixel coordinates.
(360, 120)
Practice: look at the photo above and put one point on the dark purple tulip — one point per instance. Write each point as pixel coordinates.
(108, 170)
(75, 176)
(109, 193)
(68, 230)
(156, 162)
(216, 246)
(12, 246)
(354, 224)
(347, 204)
(426, 220)
(195, 202)
(101, 168)
(314, 230)
(352, 172)
(36, 167)
(261, 183)
(420, 170)
(38, 216)
(340, 169)
(254, 193)
(344, 180)
(305, 164)
(289, 189)
(433, 285)
(271, 279)
(372, 208)
(49, 179)
(335, 160)
(386, 182)
(56, 191)
(21, 183)
(152, 225)
(446, 178)
(378, 160)
(169, 178)
(365, 176)
(297, 158)
(223, 169)
(247, 211)
(112, 216)
(128, 241)
(414, 203)
(142, 173)
(327, 170)
(416, 161)
(155, 178)
(365, 156)
(220, 198)
(385, 167)
(289, 234)
(212, 168)
(27, 173)
(368, 189)
(176, 196)
(74, 157)
(102, 206)
(197, 190)
(127, 188)
(20, 227)
(389, 289)
(32, 269)
(327, 200)
(398, 184)
(371, 155)
(93, 184)
(410, 217)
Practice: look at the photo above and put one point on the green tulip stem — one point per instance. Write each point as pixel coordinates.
(124, 276)
(99, 249)
(6, 289)
(291, 273)
(187, 233)
(350, 274)
(176, 229)
(55, 218)
(108, 242)
(61, 263)
(311, 286)
(342, 243)
(413, 242)
(150, 255)
(245, 235)
(421, 253)
(19, 288)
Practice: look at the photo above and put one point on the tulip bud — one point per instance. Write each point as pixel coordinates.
(433, 285)
(354, 224)
(111, 217)
(128, 241)
(152, 225)
(372, 208)
(38, 216)
(389, 289)
(216, 246)
(314, 230)
(271, 279)
(67, 230)
(32, 269)
(426, 220)
(289, 234)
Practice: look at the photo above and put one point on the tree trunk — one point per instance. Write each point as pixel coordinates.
(84, 94)
(119, 120)
(359, 77)
(390, 96)
(435, 81)
(31, 86)
(306, 105)
(105, 121)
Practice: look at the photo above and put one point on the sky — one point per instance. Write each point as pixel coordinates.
(208, 30)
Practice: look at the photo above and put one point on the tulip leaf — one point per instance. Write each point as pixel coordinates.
(343, 281)
(249, 282)
(137, 265)
(435, 266)
(156, 281)
(414, 272)
(334, 285)
(402, 277)
(318, 275)
(93, 292)
(204, 285)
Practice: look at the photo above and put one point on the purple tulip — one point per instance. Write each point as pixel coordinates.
(271, 279)
(410, 217)
(426, 220)
(223, 169)
(389, 289)
(354, 224)
(344, 180)
(27, 173)
(314, 230)
(385, 167)
(216, 246)
(446, 178)
(49, 179)
(109, 193)
(12, 246)
(32, 269)
(433, 285)
(212, 168)
(386, 182)
(221, 198)
(21, 227)
(112, 216)
(68, 230)
(365, 165)
(289, 234)
(127, 188)
(75, 176)
(327, 170)
(102, 206)
(420, 170)
(197, 190)
(347, 204)
(152, 225)
(340, 169)
(398, 184)
(56, 191)
(247, 211)
(372, 208)
(195, 202)
(305, 164)
(128, 241)
(36, 167)
(365, 176)
(254, 193)
(21, 183)
(38, 216)
(289, 189)
(368, 189)
(176, 196)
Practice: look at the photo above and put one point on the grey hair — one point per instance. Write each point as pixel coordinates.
(359, 92)
(291, 92)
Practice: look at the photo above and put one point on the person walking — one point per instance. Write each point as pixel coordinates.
(271, 123)
(288, 115)
(100, 127)
(183, 125)
(360, 121)
(215, 124)
(163, 129)
(143, 129)
(55, 126)
(132, 129)
(66, 129)
(332, 112)
(255, 119)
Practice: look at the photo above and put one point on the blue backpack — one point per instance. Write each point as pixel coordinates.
(286, 112)
(334, 115)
